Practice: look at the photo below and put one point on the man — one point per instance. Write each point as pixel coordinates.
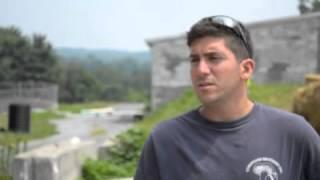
(229, 137)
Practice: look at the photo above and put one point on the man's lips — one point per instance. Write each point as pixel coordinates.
(205, 84)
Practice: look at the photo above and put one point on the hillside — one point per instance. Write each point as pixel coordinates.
(277, 95)
(105, 55)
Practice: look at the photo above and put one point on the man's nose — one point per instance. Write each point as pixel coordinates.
(203, 66)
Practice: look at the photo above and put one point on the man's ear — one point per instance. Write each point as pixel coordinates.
(247, 67)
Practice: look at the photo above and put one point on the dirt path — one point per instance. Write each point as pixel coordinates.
(98, 124)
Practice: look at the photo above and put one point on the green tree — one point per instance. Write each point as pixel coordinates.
(26, 59)
(77, 84)
(124, 79)
(309, 6)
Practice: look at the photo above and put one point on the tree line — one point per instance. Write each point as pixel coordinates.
(24, 58)
(309, 6)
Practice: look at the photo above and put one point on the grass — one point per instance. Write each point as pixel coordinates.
(97, 132)
(39, 127)
(39, 123)
(277, 95)
(4, 177)
(77, 107)
(182, 104)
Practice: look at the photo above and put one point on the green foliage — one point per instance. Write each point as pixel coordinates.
(77, 84)
(101, 170)
(309, 6)
(77, 107)
(40, 125)
(114, 93)
(122, 80)
(185, 102)
(106, 55)
(123, 157)
(23, 58)
(127, 146)
(4, 177)
(98, 131)
(135, 96)
(277, 95)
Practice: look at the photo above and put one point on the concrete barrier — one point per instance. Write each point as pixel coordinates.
(103, 149)
(60, 161)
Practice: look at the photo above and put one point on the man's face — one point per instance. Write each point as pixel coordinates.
(215, 71)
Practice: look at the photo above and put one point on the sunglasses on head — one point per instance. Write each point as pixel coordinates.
(235, 26)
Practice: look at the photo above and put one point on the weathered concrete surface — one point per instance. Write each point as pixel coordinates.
(103, 149)
(285, 50)
(54, 161)
(54, 158)
(37, 95)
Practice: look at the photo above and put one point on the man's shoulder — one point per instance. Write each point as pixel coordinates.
(283, 119)
(274, 113)
(172, 126)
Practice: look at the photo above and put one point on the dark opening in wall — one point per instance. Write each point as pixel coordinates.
(276, 71)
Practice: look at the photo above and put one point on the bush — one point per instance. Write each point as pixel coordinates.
(101, 170)
(123, 157)
(127, 146)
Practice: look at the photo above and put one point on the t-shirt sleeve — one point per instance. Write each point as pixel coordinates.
(148, 168)
(312, 154)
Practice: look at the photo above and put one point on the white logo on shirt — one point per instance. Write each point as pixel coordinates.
(266, 168)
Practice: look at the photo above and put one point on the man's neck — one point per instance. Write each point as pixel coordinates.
(227, 112)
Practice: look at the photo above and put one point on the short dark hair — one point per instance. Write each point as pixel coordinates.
(205, 28)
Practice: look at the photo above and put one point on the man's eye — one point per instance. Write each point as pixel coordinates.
(194, 60)
(214, 58)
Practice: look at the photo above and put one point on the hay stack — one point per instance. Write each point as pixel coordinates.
(307, 100)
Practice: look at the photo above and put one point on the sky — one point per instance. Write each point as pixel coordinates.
(126, 24)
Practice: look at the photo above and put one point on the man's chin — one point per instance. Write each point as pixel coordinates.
(207, 100)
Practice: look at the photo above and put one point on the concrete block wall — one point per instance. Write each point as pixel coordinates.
(170, 68)
(38, 95)
(60, 161)
(285, 50)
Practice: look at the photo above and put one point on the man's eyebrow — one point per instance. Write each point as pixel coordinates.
(211, 53)
(193, 55)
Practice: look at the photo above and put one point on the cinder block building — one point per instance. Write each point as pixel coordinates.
(285, 50)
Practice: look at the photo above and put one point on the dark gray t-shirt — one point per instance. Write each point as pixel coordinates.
(267, 144)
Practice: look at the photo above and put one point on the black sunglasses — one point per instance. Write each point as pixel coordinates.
(235, 26)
